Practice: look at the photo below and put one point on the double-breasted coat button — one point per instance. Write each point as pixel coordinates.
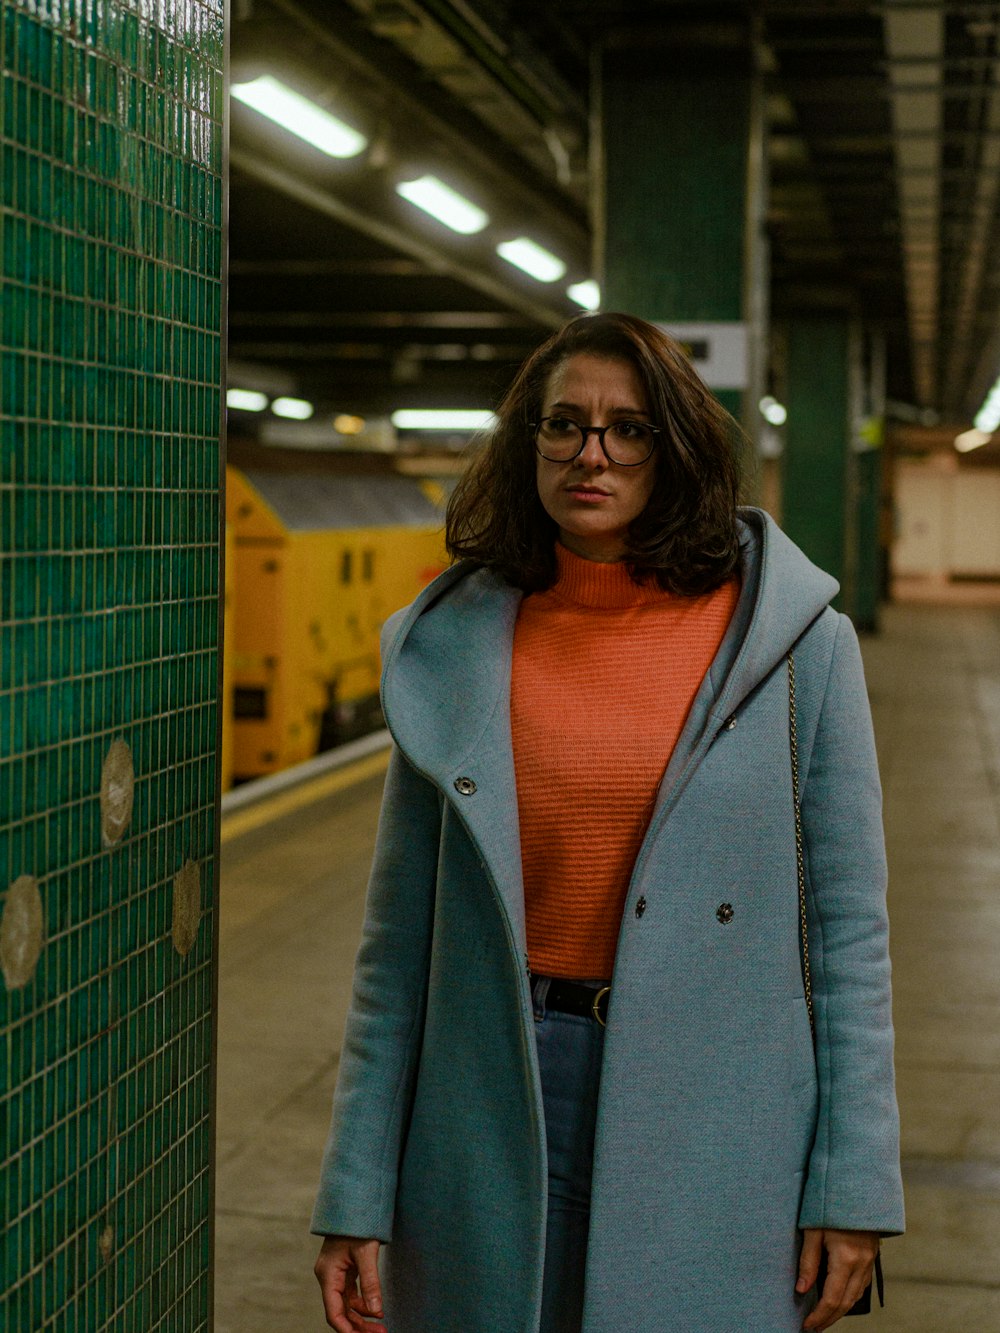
(725, 913)
(640, 906)
(465, 786)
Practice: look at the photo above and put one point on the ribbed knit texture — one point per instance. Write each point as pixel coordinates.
(604, 674)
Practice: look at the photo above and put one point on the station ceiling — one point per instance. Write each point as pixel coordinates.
(883, 142)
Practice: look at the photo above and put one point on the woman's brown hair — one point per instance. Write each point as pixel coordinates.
(686, 537)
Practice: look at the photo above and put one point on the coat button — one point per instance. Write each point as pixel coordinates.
(465, 786)
(725, 913)
(731, 723)
(640, 906)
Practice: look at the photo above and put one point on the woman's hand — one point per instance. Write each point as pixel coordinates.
(851, 1257)
(345, 1264)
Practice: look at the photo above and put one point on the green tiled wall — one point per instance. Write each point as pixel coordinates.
(111, 296)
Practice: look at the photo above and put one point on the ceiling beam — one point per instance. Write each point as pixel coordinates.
(448, 320)
(853, 89)
(347, 352)
(317, 268)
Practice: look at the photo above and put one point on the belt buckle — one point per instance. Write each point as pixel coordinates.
(595, 1007)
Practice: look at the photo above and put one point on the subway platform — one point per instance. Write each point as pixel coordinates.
(291, 910)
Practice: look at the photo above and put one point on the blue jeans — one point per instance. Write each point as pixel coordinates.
(569, 1059)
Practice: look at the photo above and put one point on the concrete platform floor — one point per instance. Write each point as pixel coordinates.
(292, 897)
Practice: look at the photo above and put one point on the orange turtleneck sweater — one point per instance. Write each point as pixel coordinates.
(604, 674)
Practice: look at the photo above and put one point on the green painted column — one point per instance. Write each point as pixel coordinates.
(868, 570)
(817, 434)
(680, 198)
(865, 496)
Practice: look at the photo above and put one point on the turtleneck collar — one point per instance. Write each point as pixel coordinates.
(607, 587)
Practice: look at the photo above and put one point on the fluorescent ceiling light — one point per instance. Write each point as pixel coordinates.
(971, 439)
(246, 400)
(417, 418)
(302, 117)
(295, 408)
(773, 412)
(531, 258)
(988, 416)
(586, 294)
(444, 203)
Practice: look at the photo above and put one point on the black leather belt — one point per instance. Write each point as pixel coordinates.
(574, 997)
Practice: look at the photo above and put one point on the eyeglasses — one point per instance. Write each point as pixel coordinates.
(627, 443)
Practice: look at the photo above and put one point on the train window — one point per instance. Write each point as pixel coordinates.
(345, 567)
(249, 702)
(368, 565)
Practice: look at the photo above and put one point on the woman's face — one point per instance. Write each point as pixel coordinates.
(591, 500)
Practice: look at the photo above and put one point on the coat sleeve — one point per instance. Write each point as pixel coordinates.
(382, 1037)
(853, 1178)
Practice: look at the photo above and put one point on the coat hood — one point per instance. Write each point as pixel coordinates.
(447, 657)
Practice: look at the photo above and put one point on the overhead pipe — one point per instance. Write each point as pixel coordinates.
(976, 247)
(915, 43)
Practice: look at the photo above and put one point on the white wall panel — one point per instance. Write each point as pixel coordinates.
(947, 522)
(923, 520)
(975, 527)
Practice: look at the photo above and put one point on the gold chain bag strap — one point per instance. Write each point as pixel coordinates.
(799, 853)
(864, 1304)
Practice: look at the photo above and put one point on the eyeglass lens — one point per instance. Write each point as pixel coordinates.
(626, 442)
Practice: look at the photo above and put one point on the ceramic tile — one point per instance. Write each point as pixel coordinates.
(110, 301)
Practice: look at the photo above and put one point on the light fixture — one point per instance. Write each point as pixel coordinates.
(525, 254)
(988, 417)
(246, 400)
(444, 203)
(296, 409)
(304, 118)
(586, 294)
(972, 439)
(419, 418)
(346, 424)
(773, 412)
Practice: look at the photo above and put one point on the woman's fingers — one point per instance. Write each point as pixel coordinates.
(359, 1314)
(344, 1262)
(832, 1301)
(812, 1249)
(365, 1256)
(337, 1314)
(359, 1324)
(851, 1256)
(333, 1283)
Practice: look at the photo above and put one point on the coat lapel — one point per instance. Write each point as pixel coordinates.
(782, 593)
(446, 697)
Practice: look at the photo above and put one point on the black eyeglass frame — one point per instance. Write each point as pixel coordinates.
(600, 432)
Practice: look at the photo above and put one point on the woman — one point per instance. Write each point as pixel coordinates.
(589, 819)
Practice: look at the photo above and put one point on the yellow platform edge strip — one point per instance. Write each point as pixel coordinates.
(284, 803)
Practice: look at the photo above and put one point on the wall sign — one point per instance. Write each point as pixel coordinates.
(718, 351)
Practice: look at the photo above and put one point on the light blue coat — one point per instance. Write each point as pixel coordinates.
(719, 1133)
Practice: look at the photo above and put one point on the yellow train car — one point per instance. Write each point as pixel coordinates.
(320, 562)
(228, 648)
